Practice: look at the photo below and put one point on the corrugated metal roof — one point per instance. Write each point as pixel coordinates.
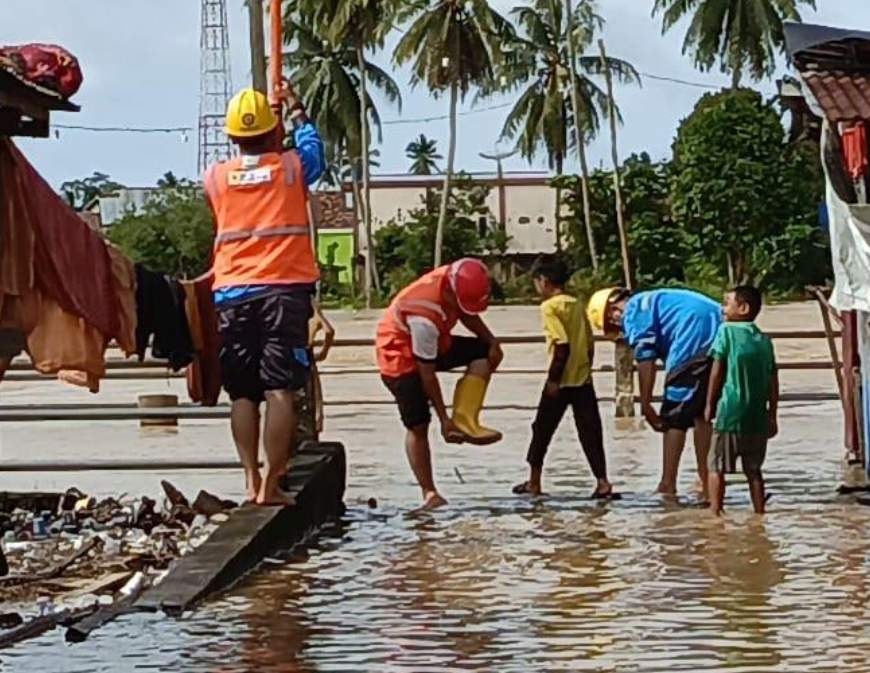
(844, 96)
(810, 44)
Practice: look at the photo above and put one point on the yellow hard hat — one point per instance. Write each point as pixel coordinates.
(596, 309)
(249, 114)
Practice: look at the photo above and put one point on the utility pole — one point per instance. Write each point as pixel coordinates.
(258, 45)
(498, 158)
(579, 137)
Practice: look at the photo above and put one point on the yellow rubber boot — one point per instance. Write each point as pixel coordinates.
(467, 403)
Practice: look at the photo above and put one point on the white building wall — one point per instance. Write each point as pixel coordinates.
(530, 213)
(113, 208)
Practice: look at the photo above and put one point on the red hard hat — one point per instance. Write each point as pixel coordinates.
(469, 280)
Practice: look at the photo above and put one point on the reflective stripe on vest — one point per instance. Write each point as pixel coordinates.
(400, 307)
(261, 213)
(260, 233)
(423, 298)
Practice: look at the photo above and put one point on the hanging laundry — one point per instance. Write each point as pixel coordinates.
(124, 280)
(161, 319)
(204, 373)
(61, 244)
(63, 341)
(855, 150)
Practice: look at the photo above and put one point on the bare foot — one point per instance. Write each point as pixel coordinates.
(528, 488)
(433, 500)
(275, 498)
(604, 487)
(666, 493)
(253, 484)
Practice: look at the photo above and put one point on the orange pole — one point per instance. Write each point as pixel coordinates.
(276, 30)
(276, 60)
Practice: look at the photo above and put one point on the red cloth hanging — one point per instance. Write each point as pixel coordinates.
(855, 150)
(68, 260)
(47, 65)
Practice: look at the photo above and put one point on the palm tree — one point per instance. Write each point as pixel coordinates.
(743, 35)
(454, 45)
(331, 38)
(423, 154)
(556, 84)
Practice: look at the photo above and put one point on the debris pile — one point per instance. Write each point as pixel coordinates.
(73, 549)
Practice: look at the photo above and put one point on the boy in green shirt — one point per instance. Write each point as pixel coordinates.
(743, 397)
(569, 381)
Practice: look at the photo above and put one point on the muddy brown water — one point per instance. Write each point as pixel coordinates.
(494, 582)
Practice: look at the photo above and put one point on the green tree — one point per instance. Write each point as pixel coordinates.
(355, 26)
(453, 45)
(173, 235)
(80, 193)
(423, 153)
(544, 111)
(660, 249)
(743, 197)
(405, 249)
(743, 35)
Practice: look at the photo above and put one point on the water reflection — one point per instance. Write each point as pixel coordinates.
(562, 584)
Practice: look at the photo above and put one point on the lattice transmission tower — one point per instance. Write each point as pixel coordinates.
(215, 83)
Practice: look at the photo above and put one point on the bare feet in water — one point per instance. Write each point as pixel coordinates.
(271, 494)
(253, 484)
(433, 500)
(276, 498)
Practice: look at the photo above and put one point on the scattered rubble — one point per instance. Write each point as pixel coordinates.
(70, 552)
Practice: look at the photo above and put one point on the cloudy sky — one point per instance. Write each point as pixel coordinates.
(141, 64)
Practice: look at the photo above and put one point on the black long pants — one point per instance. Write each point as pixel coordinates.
(587, 419)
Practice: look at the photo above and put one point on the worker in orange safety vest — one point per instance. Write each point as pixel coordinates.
(414, 341)
(264, 278)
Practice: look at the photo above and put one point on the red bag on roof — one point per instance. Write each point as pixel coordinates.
(47, 65)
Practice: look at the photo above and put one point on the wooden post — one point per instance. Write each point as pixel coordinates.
(827, 310)
(624, 363)
(258, 46)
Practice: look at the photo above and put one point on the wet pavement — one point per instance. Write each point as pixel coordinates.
(494, 582)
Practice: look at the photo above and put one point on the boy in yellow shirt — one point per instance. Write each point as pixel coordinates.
(569, 380)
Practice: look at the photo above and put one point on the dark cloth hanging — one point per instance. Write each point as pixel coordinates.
(161, 319)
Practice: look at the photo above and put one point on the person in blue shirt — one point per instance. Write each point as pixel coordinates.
(676, 327)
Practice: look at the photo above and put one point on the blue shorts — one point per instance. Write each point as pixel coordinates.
(688, 386)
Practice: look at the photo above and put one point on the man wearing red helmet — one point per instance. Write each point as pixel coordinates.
(414, 341)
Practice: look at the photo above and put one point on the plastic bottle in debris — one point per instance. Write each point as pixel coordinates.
(134, 584)
(46, 606)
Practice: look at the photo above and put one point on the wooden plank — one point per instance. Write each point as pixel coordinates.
(103, 584)
(316, 480)
(119, 466)
(147, 374)
(34, 502)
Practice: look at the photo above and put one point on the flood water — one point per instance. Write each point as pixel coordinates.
(498, 583)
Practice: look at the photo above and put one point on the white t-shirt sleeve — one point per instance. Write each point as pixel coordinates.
(424, 338)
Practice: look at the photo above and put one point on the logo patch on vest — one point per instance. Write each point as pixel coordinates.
(255, 176)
